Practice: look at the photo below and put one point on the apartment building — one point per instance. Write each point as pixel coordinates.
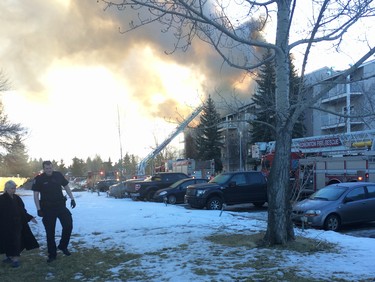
(236, 133)
(347, 107)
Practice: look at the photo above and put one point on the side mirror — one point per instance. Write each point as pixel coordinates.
(232, 184)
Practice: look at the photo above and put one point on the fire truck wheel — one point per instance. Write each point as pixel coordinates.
(332, 222)
(172, 199)
(214, 203)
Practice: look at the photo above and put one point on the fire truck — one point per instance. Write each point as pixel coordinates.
(327, 159)
(191, 167)
(197, 169)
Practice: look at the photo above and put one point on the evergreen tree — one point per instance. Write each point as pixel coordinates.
(190, 146)
(299, 128)
(78, 167)
(61, 167)
(208, 139)
(127, 169)
(15, 162)
(36, 166)
(10, 133)
(264, 98)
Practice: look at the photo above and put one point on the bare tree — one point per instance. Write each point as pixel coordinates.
(239, 42)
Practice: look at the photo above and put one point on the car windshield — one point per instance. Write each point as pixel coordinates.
(221, 178)
(328, 193)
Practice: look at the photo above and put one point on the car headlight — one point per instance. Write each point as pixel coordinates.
(312, 212)
(163, 193)
(200, 192)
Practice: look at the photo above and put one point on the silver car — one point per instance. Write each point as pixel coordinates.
(336, 205)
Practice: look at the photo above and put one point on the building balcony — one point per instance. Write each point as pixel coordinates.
(227, 125)
(340, 92)
(330, 121)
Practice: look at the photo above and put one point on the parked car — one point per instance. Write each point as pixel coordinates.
(336, 205)
(145, 190)
(129, 187)
(175, 193)
(118, 190)
(103, 185)
(229, 188)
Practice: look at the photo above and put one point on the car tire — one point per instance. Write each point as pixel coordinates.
(214, 203)
(150, 196)
(134, 198)
(259, 204)
(172, 199)
(332, 222)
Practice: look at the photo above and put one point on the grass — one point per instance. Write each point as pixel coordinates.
(223, 257)
(82, 265)
(300, 244)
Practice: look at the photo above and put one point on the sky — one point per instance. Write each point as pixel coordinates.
(82, 89)
(78, 85)
(147, 228)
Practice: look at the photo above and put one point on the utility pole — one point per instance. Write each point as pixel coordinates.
(119, 136)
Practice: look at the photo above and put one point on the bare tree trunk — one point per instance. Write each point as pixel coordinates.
(280, 228)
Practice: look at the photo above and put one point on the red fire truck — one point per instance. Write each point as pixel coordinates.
(197, 169)
(322, 160)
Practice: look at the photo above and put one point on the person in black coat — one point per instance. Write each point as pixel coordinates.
(15, 232)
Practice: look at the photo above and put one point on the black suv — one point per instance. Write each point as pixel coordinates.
(230, 188)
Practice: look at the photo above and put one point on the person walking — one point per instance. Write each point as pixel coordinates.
(15, 232)
(51, 205)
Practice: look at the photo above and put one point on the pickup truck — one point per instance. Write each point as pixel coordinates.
(145, 190)
(229, 188)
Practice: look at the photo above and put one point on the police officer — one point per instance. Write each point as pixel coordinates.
(50, 203)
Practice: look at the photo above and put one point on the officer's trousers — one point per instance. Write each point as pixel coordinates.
(49, 220)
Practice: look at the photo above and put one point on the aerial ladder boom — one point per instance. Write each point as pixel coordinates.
(158, 149)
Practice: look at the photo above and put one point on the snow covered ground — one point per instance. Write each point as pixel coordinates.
(178, 235)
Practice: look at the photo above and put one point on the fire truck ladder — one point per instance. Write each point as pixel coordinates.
(157, 150)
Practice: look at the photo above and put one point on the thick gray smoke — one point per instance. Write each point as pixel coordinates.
(37, 33)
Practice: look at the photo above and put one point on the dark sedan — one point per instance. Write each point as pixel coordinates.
(103, 185)
(175, 193)
(336, 205)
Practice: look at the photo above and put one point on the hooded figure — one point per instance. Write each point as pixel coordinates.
(15, 232)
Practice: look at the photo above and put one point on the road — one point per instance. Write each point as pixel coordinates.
(360, 230)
